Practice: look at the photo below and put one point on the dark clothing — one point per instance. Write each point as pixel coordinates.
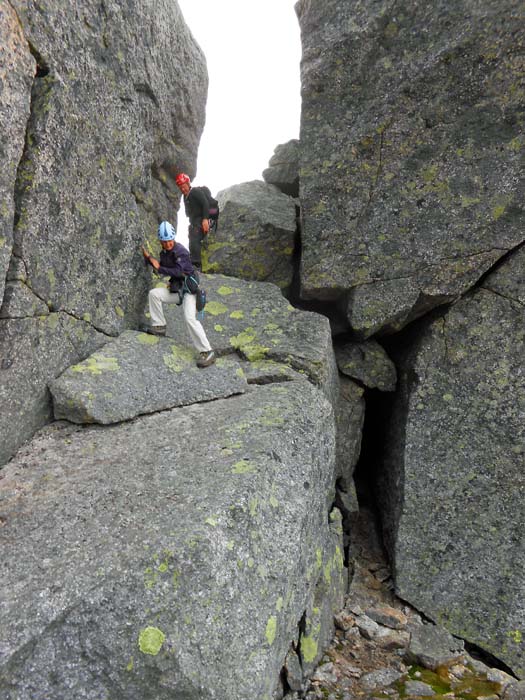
(176, 263)
(197, 240)
(196, 206)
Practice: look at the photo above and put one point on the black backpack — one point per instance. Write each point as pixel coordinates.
(212, 202)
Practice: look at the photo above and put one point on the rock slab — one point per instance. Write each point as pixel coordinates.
(454, 484)
(170, 556)
(140, 373)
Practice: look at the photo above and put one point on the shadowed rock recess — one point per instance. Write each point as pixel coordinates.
(174, 532)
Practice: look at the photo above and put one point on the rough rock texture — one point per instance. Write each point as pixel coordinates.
(318, 622)
(108, 110)
(169, 556)
(453, 487)
(140, 373)
(256, 234)
(32, 350)
(432, 646)
(368, 363)
(411, 151)
(349, 416)
(17, 68)
(254, 319)
(283, 170)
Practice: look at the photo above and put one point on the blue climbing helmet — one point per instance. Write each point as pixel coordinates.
(166, 232)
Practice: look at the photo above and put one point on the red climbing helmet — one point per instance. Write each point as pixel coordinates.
(182, 179)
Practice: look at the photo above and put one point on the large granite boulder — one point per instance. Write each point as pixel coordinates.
(453, 487)
(411, 152)
(256, 321)
(108, 111)
(140, 373)
(33, 350)
(17, 69)
(283, 168)
(255, 239)
(170, 556)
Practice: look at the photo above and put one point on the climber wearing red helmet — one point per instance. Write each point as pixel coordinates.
(197, 208)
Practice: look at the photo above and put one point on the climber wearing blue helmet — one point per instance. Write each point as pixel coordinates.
(175, 263)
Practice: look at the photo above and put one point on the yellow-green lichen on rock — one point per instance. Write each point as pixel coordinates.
(151, 640)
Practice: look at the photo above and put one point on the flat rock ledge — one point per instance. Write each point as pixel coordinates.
(139, 373)
(256, 321)
(169, 556)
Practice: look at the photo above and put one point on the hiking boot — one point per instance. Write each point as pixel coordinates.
(155, 330)
(206, 358)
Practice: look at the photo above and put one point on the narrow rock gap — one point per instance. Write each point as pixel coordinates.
(499, 263)
(295, 286)
(377, 411)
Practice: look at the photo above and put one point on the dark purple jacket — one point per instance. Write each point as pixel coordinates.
(176, 263)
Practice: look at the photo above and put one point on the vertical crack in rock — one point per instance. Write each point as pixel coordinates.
(377, 175)
(41, 86)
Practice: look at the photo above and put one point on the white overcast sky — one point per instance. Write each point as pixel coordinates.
(253, 52)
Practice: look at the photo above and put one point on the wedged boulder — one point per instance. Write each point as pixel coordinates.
(255, 239)
(368, 363)
(139, 373)
(33, 351)
(411, 162)
(97, 112)
(349, 417)
(169, 556)
(453, 485)
(283, 168)
(17, 70)
(255, 320)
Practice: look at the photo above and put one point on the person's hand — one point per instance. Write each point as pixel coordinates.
(154, 263)
(205, 226)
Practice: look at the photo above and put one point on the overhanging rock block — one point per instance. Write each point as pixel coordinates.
(169, 556)
(140, 373)
(411, 163)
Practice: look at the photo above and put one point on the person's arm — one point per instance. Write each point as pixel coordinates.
(150, 259)
(202, 202)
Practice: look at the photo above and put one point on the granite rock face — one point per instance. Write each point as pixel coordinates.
(33, 350)
(17, 68)
(256, 321)
(256, 235)
(453, 486)
(411, 152)
(97, 113)
(183, 550)
(139, 373)
(283, 168)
